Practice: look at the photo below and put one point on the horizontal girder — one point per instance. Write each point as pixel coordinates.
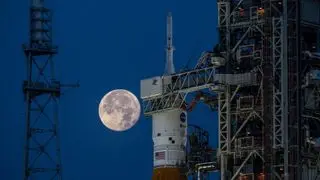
(172, 90)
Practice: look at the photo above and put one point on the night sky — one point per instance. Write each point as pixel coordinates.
(105, 45)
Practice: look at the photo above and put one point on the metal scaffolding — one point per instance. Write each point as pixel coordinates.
(241, 149)
(274, 27)
(266, 76)
(42, 157)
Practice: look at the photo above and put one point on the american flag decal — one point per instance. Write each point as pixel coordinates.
(160, 155)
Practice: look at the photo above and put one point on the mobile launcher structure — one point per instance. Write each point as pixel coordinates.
(263, 78)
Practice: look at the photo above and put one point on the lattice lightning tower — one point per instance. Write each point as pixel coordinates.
(42, 91)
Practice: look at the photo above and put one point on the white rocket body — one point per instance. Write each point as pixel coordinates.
(169, 138)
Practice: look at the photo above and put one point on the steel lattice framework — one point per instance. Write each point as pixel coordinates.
(42, 159)
(267, 104)
(42, 150)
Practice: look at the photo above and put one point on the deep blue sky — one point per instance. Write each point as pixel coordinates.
(105, 45)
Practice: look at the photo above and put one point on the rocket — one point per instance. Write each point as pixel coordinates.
(169, 131)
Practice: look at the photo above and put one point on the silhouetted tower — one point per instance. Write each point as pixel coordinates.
(42, 91)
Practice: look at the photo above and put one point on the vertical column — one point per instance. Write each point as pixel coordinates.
(169, 69)
(298, 95)
(284, 88)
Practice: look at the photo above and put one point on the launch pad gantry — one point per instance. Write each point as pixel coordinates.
(263, 78)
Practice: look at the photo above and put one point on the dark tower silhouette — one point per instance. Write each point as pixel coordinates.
(42, 92)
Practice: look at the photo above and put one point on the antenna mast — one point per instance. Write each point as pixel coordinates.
(169, 69)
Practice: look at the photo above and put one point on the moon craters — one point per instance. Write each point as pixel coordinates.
(119, 110)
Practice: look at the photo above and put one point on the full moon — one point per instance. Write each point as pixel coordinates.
(119, 110)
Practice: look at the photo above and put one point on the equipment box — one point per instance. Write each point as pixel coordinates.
(151, 87)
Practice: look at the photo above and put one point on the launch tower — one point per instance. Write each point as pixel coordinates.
(265, 132)
(263, 79)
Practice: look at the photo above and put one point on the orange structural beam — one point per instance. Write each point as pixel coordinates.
(168, 174)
